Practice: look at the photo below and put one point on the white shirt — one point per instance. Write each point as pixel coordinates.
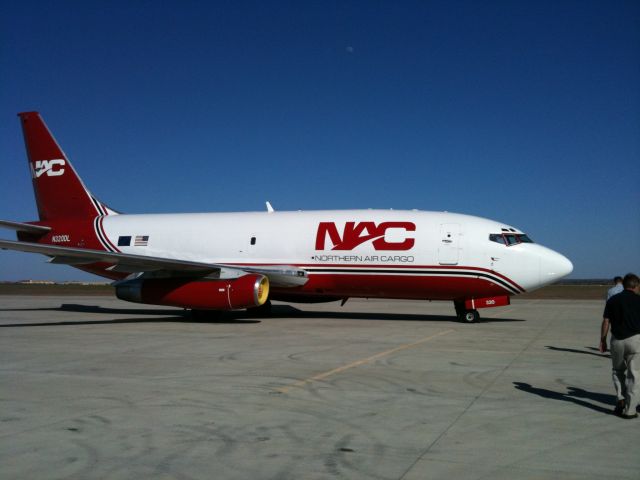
(614, 290)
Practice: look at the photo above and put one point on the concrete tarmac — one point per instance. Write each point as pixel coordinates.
(96, 388)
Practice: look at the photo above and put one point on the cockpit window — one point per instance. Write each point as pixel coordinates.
(509, 238)
(524, 238)
(498, 238)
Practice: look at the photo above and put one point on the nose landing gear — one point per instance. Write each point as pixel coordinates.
(464, 315)
(470, 316)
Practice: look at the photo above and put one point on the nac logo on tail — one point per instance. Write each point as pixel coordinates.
(53, 168)
(355, 234)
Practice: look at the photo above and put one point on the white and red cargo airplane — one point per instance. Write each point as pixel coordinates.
(226, 261)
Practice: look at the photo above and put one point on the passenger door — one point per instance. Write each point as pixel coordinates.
(449, 248)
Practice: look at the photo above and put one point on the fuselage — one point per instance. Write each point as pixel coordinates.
(351, 253)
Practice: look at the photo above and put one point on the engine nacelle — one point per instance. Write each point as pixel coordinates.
(251, 290)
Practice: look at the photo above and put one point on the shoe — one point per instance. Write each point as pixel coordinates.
(619, 408)
(629, 417)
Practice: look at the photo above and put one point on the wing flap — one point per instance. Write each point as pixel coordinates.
(62, 260)
(284, 276)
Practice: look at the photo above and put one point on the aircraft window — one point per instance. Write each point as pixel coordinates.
(124, 241)
(509, 238)
(524, 238)
(497, 237)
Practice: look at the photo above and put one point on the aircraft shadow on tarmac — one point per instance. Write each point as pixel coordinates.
(574, 395)
(288, 311)
(72, 307)
(236, 317)
(161, 316)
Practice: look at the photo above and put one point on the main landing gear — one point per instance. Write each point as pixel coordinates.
(464, 315)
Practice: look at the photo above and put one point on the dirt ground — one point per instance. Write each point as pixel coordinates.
(66, 290)
(569, 292)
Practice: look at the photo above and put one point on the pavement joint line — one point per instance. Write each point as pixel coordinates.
(357, 363)
(476, 398)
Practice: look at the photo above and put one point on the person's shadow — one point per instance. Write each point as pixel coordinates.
(586, 351)
(574, 395)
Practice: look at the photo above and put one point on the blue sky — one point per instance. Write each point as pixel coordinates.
(524, 112)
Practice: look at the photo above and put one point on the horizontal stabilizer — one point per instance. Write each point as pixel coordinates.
(24, 227)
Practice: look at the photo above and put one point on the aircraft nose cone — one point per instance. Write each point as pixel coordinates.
(554, 266)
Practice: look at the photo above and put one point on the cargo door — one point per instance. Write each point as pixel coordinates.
(449, 248)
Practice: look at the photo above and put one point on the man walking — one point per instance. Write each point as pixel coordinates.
(622, 314)
(616, 289)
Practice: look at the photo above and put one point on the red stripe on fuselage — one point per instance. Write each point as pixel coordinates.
(104, 234)
(355, 268)
(396, 286)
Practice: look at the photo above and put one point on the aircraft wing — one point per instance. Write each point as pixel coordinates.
(282, 276)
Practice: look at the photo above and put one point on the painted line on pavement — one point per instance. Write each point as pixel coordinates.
(357, 363)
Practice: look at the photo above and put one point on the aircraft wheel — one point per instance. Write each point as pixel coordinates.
(470, 316)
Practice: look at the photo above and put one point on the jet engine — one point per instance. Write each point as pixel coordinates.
(251, 290)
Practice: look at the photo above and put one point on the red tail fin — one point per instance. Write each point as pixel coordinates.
(59, 191)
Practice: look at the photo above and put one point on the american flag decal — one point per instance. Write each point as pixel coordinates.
(141, 241)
